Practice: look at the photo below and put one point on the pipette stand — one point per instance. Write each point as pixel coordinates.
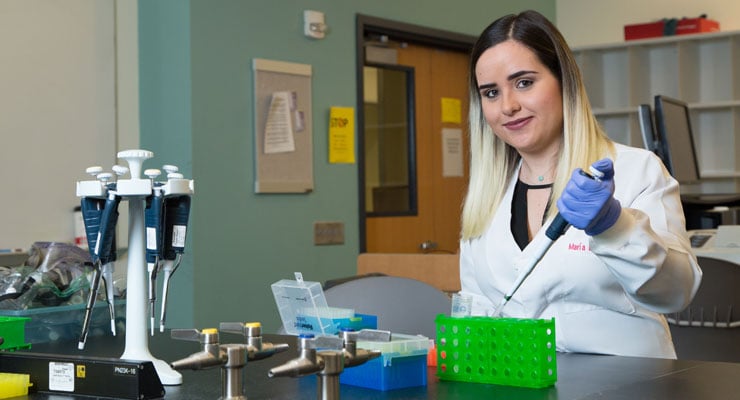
(135, 190)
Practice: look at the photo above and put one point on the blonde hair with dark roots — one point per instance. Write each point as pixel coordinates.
(493, 162)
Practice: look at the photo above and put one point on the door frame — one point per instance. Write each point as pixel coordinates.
(402, 32)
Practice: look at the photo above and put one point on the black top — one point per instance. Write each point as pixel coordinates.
(580, 376)
(519, 212)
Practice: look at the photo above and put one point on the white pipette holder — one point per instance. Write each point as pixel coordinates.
(135, 190)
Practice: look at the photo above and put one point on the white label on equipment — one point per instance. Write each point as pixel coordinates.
(62, 376)
(178, 235)
(151, 238)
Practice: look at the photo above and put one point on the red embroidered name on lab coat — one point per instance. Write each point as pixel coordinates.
(578, 247)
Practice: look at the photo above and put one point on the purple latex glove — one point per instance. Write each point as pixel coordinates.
(588, 203)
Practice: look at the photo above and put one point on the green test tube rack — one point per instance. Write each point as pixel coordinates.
(504, 351)
(12, 330)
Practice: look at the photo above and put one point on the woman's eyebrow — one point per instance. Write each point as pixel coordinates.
(518, 74)
(508, 78)
(487, 86)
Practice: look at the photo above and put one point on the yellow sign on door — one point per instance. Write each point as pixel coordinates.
(451, 110)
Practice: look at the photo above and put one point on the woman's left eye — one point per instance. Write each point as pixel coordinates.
(523, 83)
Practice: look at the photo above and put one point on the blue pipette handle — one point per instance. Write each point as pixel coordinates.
(557, 227)
(92, 210)
(108, 220)
(177, 213)
(153, 221)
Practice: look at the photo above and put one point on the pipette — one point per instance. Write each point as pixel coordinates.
(177, 212)
(556, 229)
(154, 242)
(103, 250)
(107, 275)
(92, 210)
(109, 266)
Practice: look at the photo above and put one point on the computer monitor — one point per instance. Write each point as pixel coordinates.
(676, 139)
(647, 128)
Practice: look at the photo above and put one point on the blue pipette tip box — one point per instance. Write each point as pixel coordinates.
(403, 364)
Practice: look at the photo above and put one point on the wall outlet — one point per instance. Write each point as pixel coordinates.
(328, 233)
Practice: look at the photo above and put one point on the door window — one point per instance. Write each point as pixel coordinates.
(389, 140)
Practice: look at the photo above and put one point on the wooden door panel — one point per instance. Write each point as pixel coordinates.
(451, 69)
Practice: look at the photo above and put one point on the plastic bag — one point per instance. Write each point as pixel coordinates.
(54, 274)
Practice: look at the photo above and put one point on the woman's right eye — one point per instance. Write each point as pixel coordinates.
(490, 93)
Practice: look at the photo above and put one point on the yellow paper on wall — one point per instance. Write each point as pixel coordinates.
(342, 135)
(451, 110)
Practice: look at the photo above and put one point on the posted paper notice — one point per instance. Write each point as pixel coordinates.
(279, 129)
(452, 152)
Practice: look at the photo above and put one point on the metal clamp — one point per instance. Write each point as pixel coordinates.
(232, 358)
(335, 354)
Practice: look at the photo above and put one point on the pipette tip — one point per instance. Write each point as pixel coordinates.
(497, 311)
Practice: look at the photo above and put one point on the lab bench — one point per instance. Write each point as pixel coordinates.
(580, 376)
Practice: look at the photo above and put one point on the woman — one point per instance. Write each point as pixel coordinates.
(625, 259)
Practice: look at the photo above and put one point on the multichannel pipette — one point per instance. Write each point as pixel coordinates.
(176, 215)
(556, 229)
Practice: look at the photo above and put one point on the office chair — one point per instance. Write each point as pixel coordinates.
(709, 328)
(402, 305)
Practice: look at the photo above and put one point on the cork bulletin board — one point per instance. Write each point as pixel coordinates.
(283, 135)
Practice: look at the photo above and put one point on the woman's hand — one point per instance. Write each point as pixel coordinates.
(588, 203)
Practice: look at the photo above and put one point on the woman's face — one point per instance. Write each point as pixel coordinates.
(520, 98)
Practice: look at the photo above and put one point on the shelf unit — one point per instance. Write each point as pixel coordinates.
(701, 69)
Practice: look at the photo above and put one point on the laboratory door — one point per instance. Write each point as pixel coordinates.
(441, 107)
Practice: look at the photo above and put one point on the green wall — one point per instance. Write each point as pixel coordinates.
(165, 118)
(197, 107)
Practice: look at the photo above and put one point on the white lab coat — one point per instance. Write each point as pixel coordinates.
(606, 292)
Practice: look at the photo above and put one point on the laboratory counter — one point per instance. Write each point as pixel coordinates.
(580, 376)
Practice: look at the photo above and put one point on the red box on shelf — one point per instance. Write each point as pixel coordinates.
(644, 31)
(682, 27)
(696, 25)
